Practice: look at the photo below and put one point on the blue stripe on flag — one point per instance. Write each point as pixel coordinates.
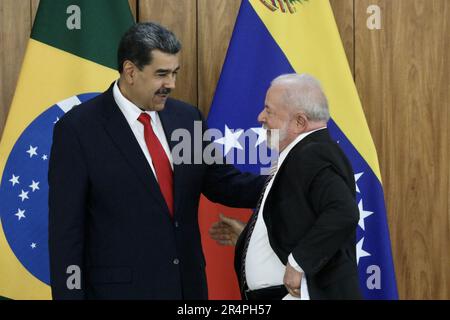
(253, 61)
(374, 238)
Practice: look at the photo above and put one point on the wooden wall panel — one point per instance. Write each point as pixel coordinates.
(216, 20)
(15, 22)
(343, 13)
(34, 7)
(403, 79)
(181, 18)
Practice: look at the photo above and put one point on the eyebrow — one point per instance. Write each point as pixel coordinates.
(167, 70)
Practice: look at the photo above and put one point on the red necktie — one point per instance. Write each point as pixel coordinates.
(160, 161)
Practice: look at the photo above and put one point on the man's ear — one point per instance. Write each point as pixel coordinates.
(129, 71)
(301, 122)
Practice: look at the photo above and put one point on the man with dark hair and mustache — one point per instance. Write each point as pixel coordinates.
(122, 211)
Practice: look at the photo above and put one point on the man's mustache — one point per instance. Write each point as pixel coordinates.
(163, 91)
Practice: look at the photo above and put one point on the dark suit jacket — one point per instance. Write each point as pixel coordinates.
(311, 212)
(108, 216)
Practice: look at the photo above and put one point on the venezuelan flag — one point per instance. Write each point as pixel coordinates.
(71, 56)
(276, 37)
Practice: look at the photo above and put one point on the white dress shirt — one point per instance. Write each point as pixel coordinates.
(263, 268)
(132, 113)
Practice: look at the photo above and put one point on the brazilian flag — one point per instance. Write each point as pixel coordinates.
(70, 58)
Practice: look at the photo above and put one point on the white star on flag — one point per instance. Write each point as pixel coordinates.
(32, 151)
(262, 135)
(230, 140)
(360, 253)
(24, 195)
(57, 119)
(20, 214)
(363, 214)
(44, 157)
(34, 185)
(14, 180)
(33, 245)
(357, 176)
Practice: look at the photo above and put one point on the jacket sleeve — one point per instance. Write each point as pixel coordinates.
(338, 217)
(225, 184)
(68, 187)
(228, 186)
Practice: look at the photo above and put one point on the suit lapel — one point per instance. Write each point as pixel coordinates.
(122, 136)
(320, 135)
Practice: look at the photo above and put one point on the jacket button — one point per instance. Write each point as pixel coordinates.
(176, 261)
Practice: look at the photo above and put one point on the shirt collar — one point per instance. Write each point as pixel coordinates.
(128, 108)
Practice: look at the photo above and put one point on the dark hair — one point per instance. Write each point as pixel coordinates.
(138, 42)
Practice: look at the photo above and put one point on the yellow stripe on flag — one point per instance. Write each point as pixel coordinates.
(310, 41)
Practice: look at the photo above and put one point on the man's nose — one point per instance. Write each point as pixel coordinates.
(261, 117)
(170, 82)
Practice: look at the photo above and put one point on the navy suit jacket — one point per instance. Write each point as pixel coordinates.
(107, 214)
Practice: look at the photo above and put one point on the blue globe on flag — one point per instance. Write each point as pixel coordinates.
(24, 190)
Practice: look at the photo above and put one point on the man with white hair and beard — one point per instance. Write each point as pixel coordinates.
(300, 241)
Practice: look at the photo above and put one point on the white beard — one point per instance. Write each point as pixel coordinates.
(275, 136)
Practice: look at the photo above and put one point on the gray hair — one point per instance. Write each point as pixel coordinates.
(141, 39)
(304, 93)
